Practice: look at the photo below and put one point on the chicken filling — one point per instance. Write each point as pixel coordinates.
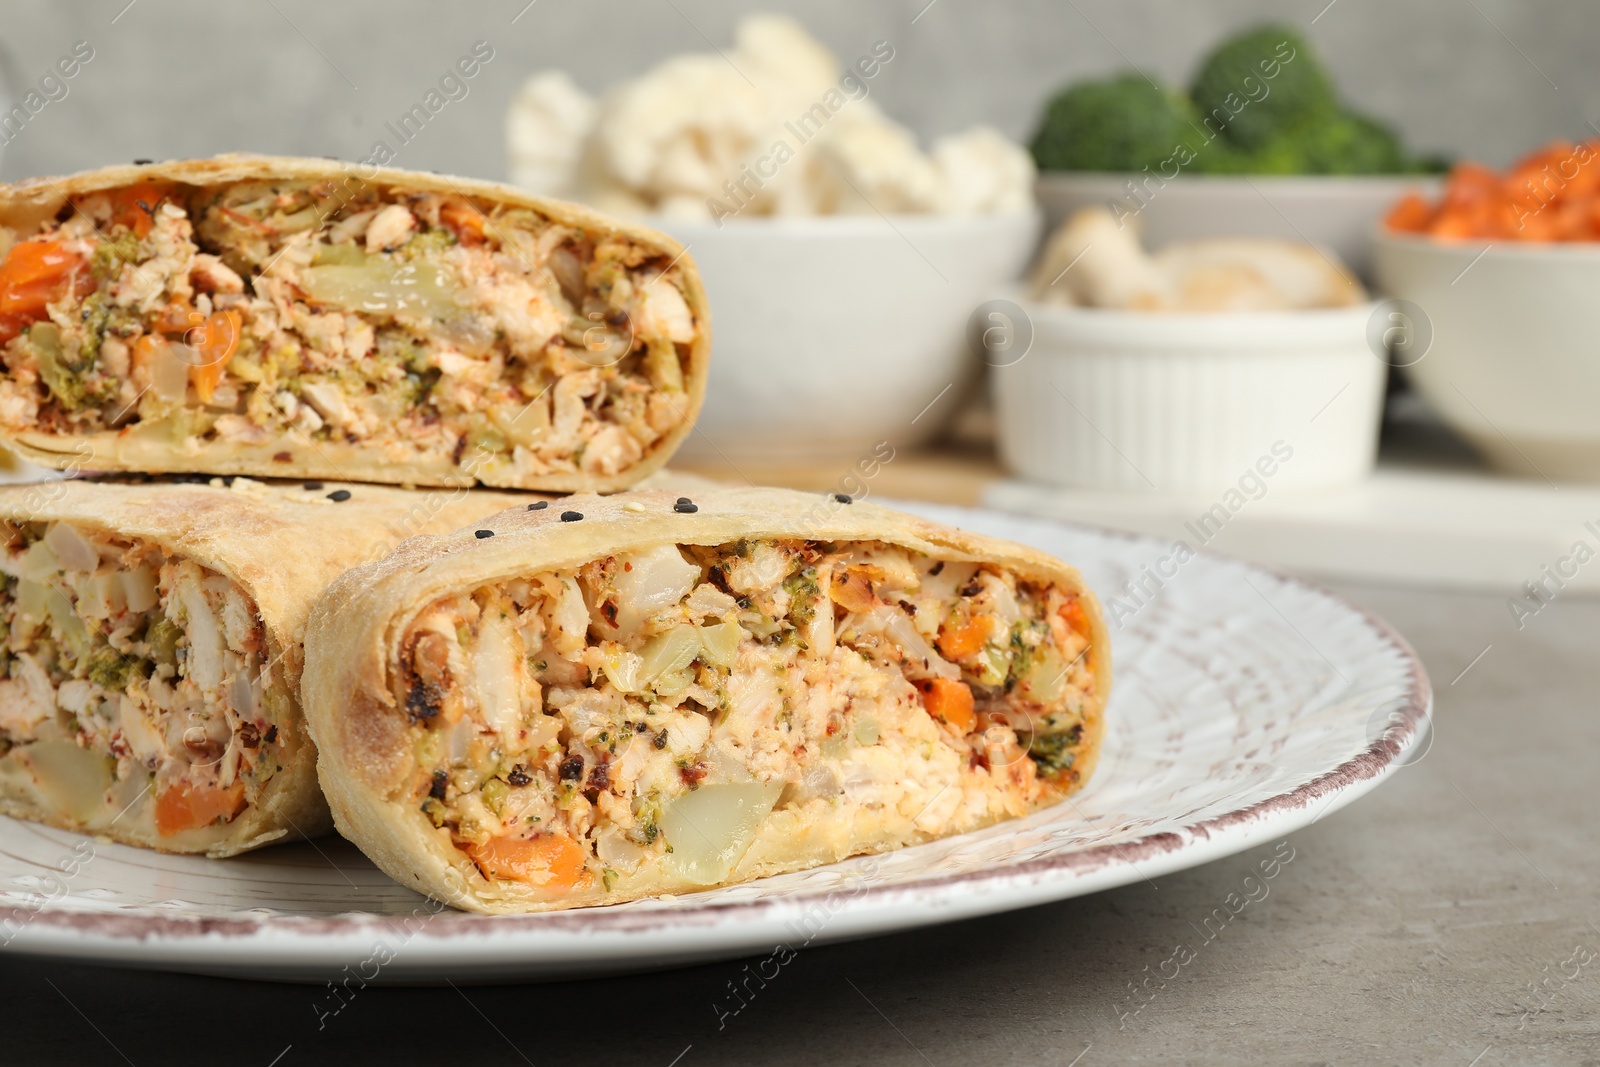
(568, 727)
(262, 313)
(136, 688)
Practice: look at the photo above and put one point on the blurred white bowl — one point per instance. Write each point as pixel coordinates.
(1192, 403)
(832, 334)
(1337, 212)
(1506, 345)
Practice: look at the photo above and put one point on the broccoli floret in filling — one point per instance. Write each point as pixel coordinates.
(803, 593)
(110, 254)
(111, 670)
(1054, 753)
(162, 636)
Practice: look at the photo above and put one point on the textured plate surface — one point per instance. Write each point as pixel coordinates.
(1246, 705)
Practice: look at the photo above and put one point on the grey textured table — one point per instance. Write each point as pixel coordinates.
(1450, 917)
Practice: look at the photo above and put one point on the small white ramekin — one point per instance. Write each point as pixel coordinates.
(1191, 403)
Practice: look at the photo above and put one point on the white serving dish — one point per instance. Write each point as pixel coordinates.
(1337, 212)
(833, 334)
(1191, 403)
(1512, 346)
(1247, 706)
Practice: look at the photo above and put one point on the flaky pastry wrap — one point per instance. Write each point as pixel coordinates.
(150, 650)
(601, 699)
(280, 317)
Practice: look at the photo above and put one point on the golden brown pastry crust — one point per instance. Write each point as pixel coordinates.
(26, 204)
(283, 544)
(355, 631)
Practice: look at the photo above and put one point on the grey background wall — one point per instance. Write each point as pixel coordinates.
(1483, 78)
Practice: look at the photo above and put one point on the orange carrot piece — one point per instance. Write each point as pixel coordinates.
(551, 862)
(949, 700)
(465, 220)
(183, 806)
(1078, 619)
(34, 274)
(217, 341)
(135, 206)
(853, 591)
(961, 639)
(1411, 215)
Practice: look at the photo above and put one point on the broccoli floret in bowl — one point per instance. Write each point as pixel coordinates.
(1350, 144)
(1341, 143)
(1259, 84)
(1124, 124)
(1261, 104)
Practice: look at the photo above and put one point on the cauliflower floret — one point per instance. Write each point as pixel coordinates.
(873, 166)
(545, 131)
(983, 171)
(770, 127)
(684, 128)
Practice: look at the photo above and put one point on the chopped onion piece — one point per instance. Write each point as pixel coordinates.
(381, 287)
(169, 375)
(74, 779)
(33, 601)
(711, 828)
(69, 628)
(40, 562)
(720, 643)
(74, 552)
(668, 652)
(615, 850)
(867, 730)
(621, 667)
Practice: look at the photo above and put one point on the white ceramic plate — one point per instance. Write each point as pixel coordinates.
(1246, 706)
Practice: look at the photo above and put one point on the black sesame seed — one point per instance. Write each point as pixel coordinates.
(339, 496)
(844, 498)
(683, 507)
(143, 162)
(540, 506)
(481, 534)
(684, 500)
(571, 516)
(312, 486)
